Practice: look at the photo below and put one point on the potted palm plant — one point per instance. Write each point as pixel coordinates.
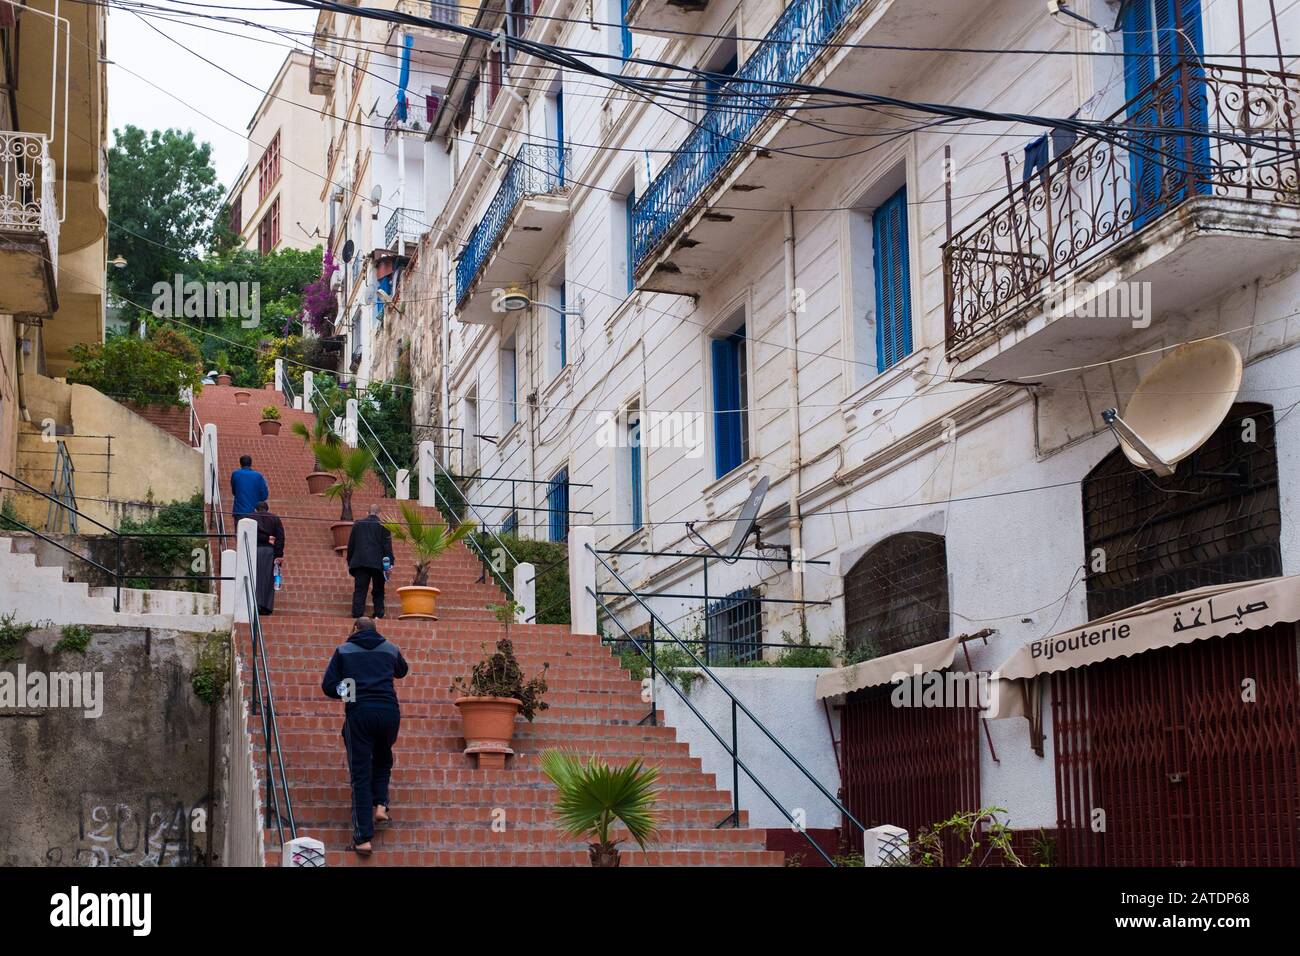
(319, 433)
(593, 796)
(348, 467)
(223, 364)
(428, 540)
(270, 423)
(491, 697)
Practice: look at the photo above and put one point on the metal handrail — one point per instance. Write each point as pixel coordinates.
(264, 701)
(736, 705)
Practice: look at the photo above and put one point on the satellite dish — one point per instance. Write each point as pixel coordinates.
(1178, 404)
(348, 250)
(748, 518)
(376, 194)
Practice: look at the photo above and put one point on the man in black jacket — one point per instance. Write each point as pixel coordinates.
(368, 544)
(270, 553)
(361, 673)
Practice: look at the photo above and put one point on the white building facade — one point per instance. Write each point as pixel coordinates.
(909, 329)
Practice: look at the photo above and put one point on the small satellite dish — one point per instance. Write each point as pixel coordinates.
(336, 280)
(748, 518)
(348, 249)
(376, 194)
(1178, 404)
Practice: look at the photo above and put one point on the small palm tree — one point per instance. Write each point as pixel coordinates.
(349, 466)
(319, 433)
(428, 539)
(593, 796)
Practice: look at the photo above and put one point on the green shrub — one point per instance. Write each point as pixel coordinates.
(130, 369)
(12, 633)
(73, 637)
(212, 670)
(9, 516)
(550, 560)
(166, 555)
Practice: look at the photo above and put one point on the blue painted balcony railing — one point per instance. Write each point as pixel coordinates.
(735, 112)
(536, 170)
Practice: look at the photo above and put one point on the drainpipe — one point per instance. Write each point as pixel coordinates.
(796, 453)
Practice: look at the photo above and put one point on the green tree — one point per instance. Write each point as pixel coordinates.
(163, 196)
(129, 369)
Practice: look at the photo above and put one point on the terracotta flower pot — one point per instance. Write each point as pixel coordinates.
(318, 481)
(418, 601)
(341, 530)
(242, 397)
(269, 426)
(489, 727)
(224, 379)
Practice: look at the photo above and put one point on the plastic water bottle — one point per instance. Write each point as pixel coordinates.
(278, 579)
(388, 567)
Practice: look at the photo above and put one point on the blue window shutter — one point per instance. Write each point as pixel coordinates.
(726, 406)
(890, 262)
(631, 239)
(564, 329)
(625, 38)
(1139, 74)
(557, 503)
(634, 447)
(559, 133)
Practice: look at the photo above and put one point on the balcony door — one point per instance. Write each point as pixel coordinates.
(1164, 85)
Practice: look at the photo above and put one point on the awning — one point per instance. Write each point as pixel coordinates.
(1215, 611)
(889, 669)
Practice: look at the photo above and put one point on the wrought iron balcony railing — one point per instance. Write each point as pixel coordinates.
(537, 169)
(795, 41)
(27, 203)
(1209, 130)
(405, 223)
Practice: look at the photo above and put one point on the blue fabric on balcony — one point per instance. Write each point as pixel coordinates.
(404, 76)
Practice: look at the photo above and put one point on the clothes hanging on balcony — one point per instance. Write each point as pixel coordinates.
(1063, 140)
(404, 77)
(1036, 157)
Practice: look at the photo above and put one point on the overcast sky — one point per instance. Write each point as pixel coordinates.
(228, 103)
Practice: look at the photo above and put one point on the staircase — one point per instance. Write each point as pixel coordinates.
(444, 808)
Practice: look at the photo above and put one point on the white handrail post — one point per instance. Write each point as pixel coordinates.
(308, 380)
(525, 589)
(279, 375)
(428, 475)
(245, 547)
(582, 576)
(229, 569)
(350, 424)
(403, 489)
(210, 464)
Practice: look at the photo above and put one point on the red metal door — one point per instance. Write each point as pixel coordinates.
(1186, 756)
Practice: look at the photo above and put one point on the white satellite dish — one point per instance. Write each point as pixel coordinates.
(1178, 404)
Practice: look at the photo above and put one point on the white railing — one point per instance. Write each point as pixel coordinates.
(27, 201)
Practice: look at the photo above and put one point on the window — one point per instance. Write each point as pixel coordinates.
(621, 32)
(621, 246)
(237, 215)
(557, 504)
(634, 468)
(557, 328)
(469, 452)
(896, 596)
(733, 629)
(628, 205)
(516, 25)
(730, 402)
(893, 281)
(495, 77)
(268, 230)
(268, 168)
(509, 401)
(511, 524)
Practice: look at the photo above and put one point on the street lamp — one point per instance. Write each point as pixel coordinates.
(515, 299)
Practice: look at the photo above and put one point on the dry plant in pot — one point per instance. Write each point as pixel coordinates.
(270, 423)
(428, 540)
(594, 796)
(493, 695)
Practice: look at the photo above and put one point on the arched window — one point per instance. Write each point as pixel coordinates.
(896, 596)
(1216, 520)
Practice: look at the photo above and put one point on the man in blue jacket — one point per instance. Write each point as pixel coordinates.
(248, 487)
(361, 673)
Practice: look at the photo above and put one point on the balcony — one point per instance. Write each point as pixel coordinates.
(1030, 284)
(406, 224)
(324, 63)
(665, 14)
(415, 108)
(522, 224)
(29, 225)
(751, 153)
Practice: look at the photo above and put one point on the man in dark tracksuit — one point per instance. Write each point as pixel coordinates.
(368, 544)
(361, 672)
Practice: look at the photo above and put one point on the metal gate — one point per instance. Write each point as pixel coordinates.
(1164, 758)
(911, 767)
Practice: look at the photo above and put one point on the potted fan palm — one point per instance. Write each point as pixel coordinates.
(270, 423)
(223, 364)
(348, 467)
(593, 796)
(428, 539)
(319, 433)
(491, 697)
